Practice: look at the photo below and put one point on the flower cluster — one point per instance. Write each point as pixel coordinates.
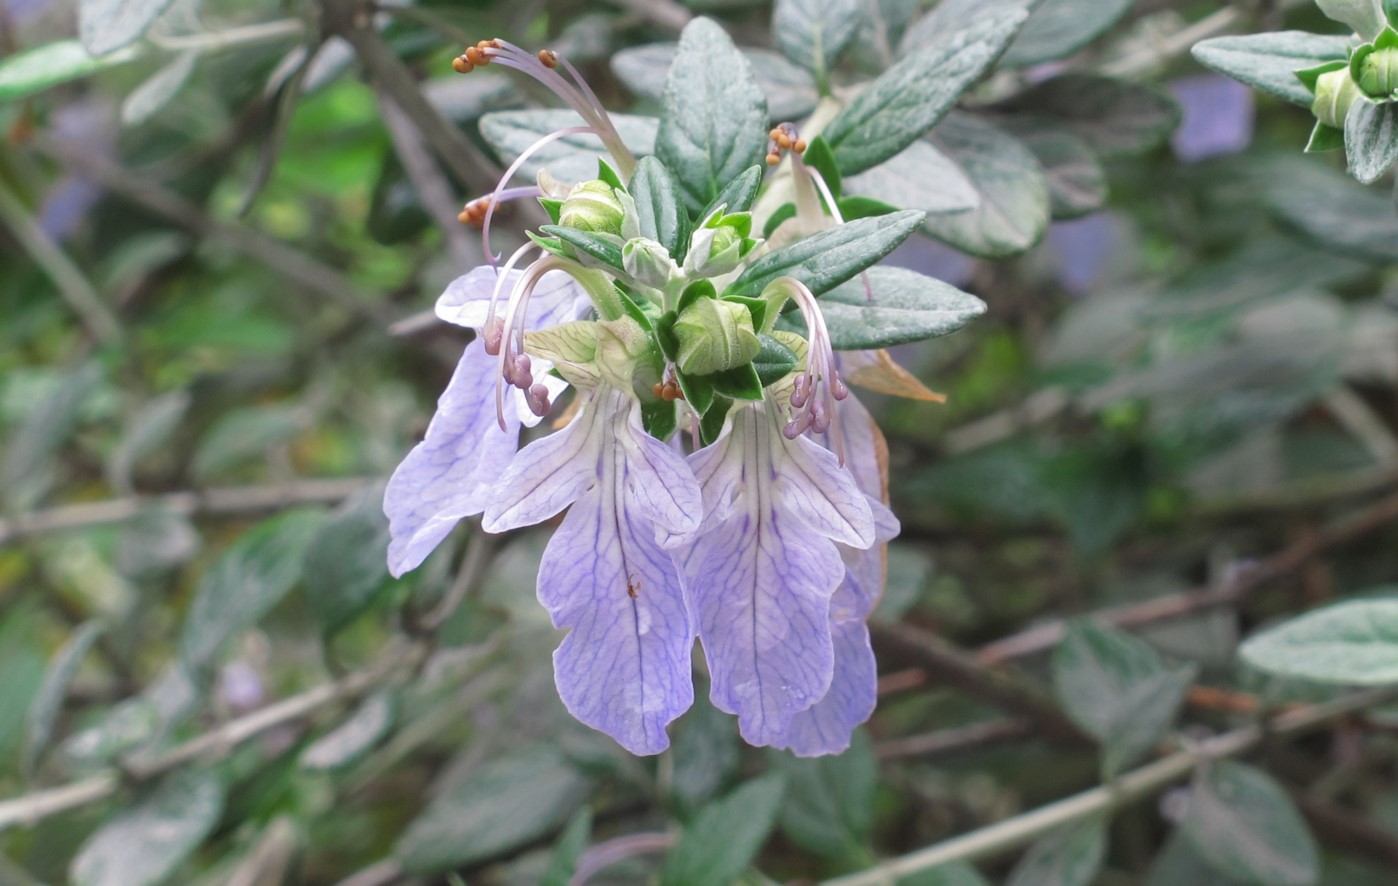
(720, 482)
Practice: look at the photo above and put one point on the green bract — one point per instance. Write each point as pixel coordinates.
(592, 206)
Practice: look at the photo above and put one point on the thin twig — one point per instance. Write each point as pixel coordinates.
(473, 563)
(33, 807)
(949, 664)
(960, 739)
(665, 13)
(81, 296)
(226, 500)
(602, 856)
(1171, 606)
(1132, 787)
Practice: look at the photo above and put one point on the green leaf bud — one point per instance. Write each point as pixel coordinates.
(592, 206)
(715, 335)
(1374, 66)
(1335, 93)
(648, 263)
(720, 244)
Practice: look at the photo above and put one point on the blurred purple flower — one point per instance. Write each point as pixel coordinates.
(92, 124)
(240, 686)
(1218, 117)
(1080, 249)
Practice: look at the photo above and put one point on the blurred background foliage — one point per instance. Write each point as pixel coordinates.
(216, 246)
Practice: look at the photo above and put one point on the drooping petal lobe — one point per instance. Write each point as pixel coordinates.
(449, 475)
(760, 578)
(825, 727)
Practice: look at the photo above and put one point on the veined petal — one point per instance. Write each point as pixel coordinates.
(624, 667)
(660, 483)
(449, 475)
(466, 301)
(825, 728)
(760, 578)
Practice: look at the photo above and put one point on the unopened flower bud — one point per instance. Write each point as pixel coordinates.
(1378, 73)
(719, 246)
(592, 206)
(648, 262)
(715, 335)
(1335, 92)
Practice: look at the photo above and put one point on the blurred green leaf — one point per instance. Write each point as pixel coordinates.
(34, 70)
(1056, 28)
(1179, 862)
(563, 862)
(813, 33)
(829, 804)
(1077, 184)
(354, 737)
(345, 566)
(493, 808)
(1114, 117)
(245, 434)
(143, 844)
(714, 123)
(108, 25)
(706, 754)
(790, 91)
(1118, 690)
(909, 98)
(1269, 62)
(250, 578)
(1243, 824)
(955, 873)
(1013, 210)
(1353, 643)
(157, 91)
(48, 702)
(573, 158)
(148, 428)
(905, 306)
(919, 177)
(724, 838)
(1071, 856)
(26, 470)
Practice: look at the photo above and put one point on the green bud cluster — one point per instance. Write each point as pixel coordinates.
(721, 244)
(1374, 66)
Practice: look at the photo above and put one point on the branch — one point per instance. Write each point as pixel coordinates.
(1172, 606)
(34, 807)
(960, 739)
(228, 500)
(1132, 787)
(956, 667)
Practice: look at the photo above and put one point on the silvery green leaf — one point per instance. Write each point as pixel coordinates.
(813, 33)
(158, 89)
(950, 16)
(150, 426)
(660, 206)
(920, 177)
(107, 25)
(1179, 862)
(34, 70)
(143, 844)
(1057, 28)
(1070, 856)
(706, 754)
(1330, 208)
(27, 462)
(1366, 17)
(245, 435)
(1013, 210)
(909, 98)
(493, 807)
(1269, 62)
(713, 126)
(1350, 643)
(1114, 117)
(884, 22)
(953, 873)
(829, 807)
(1077, 184)
(1371, 140)
(1244, 825)
(830, 257)
(572, 158)
(353, 738)
(725, 836)
(906, 306)
(1117, 689)
(563, 861)
(48, 702)
(250, 578)
(345, 567)
(791, 91)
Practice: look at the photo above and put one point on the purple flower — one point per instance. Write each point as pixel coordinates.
(624, 667)
(450, 474)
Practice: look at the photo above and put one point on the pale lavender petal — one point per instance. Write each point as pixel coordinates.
(624, 667)
(449, 475)
(552, 472)
(661, 484)
(810, 482)
(825, 728)
(557, 298)
(1217, 120)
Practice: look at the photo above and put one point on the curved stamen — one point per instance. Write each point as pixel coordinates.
(509, 173)
(515, 365)
(819, 386)
(493, 332)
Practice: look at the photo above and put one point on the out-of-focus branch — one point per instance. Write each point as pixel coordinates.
(956, 740)
(1129, 788)
(948, 664)
(226, 501)
(1046, 636)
